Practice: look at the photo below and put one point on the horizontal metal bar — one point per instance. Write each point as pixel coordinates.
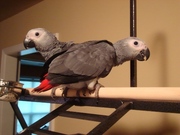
(45, 132)
(109, 103)
(156, 106)
(84, 116)
(171, 107)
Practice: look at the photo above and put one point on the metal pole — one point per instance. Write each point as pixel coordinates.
(133, 63)
(111, 119)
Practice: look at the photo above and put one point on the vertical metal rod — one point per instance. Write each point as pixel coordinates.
(133, 63)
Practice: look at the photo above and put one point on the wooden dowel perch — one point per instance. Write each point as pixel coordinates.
(160, 94)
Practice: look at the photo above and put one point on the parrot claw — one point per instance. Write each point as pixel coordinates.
(53, 91)
(83, 92)
(64, 93)
(78, 93)
(96, 91)
(33, 91)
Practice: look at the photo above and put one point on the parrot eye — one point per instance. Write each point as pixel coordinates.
(136, 43)
(37, 33)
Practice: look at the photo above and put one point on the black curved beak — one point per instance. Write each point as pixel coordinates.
(28, 43)
(143, 55)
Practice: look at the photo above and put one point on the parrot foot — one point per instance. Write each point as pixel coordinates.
(83, 92)
(64, 93)
(97, 87)
(96, 91)
(53, 91)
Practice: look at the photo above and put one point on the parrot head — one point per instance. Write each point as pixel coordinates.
(39, 38)
(131, 48)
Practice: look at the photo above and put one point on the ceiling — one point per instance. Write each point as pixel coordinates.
(9, 8)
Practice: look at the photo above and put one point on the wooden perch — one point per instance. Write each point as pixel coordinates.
(154, 94)
(160, 94)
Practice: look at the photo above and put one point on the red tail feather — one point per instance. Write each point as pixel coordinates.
(45, 85)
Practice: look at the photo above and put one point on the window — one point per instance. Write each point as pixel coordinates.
(30, 71)
(32, 111)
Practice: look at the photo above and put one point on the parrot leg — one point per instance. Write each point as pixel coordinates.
(84, 92)
(64, 93)
(96, 91)
(97, 87)
(53, 91)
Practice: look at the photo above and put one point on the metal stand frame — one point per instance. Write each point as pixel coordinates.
(121, 107)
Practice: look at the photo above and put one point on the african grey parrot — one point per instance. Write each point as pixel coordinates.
(80, 65)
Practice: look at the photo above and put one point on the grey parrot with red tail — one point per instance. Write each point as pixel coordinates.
(80, 65)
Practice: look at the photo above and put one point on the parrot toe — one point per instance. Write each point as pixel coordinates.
(97, 87)
(78, 93)
(96, 91)
(64, 93)
(83, 92)
(53, 91)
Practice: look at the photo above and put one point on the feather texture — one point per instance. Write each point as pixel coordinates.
(80, 65)
(82, 62)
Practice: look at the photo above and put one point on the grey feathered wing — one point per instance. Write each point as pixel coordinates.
(82, 62)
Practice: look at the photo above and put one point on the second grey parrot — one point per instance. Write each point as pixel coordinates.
(80, 65)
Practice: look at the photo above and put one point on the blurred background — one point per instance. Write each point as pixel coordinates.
(81, 20)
